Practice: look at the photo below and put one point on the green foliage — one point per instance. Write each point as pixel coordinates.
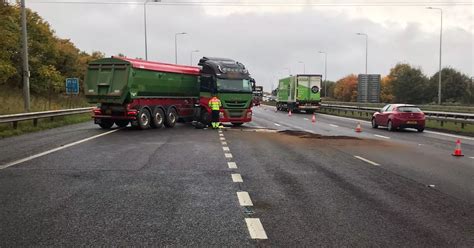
(409, 84)
(51, 59)
(455, 86)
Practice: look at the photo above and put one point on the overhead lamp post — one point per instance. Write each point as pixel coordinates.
(176, 46)
(144, 22)
(191, 60)
(366, 48)
(325, 72)
(26, 69)
(304, 66)
(440, 51)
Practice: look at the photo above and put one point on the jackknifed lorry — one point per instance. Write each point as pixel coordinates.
(149, 94)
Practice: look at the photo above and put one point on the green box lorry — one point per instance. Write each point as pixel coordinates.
(299, 92)
(152, 94)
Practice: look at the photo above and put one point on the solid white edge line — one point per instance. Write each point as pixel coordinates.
(244, 199)
(237, 178)
(55, 149)
(381, 136)
(228, 155)
(232, 165)
(255, 227)
(367, 161)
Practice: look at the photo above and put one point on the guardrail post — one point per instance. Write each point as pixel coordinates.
(35, 122)
(15, 124)
(51, 118)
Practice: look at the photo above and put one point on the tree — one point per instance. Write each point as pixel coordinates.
(386, 90)
(454, 85)
(409, 84)
(346, 89)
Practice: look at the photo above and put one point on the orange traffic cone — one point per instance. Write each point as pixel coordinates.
(289, 112)
(358, 128)
(313, 119)
(457, 151)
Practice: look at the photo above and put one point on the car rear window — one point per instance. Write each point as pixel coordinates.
(409, 109)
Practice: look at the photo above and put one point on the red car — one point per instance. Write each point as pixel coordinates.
(398, 116)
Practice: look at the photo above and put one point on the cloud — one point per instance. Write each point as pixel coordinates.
(265, 41)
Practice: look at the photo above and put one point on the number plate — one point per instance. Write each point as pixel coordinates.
(412, 122)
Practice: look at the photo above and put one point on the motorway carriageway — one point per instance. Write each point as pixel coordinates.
(278, 181)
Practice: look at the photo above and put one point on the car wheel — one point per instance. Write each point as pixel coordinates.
(390, 126)
(144, 119)
(158, 118)
(121, 123)
(420, 129)
(171, 118)
(205, 117)
(374, 123)
(106, 124)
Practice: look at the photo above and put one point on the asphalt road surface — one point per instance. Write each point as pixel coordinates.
(279, 181)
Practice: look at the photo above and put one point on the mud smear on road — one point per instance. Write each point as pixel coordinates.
(306, 135)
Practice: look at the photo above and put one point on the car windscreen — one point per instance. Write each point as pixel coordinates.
(409, 109)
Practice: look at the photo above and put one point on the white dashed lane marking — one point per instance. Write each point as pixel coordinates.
(222, 135)
(306, 119)
(332, 125)
(228, 155)
(224, 143)
(222, 138)
(367, 161)
(381, 136)
(244, 199)
(278, 125)
(55, 150)
(225, 148)
(232, 165)
(255, 228)
(237, 178)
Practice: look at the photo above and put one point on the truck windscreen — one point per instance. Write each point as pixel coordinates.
(234, 85)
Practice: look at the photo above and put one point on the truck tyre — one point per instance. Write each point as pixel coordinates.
(106, 124)
(237, 124)
(121, 123)
(144, 119)
(205, 117)
(171, 118)
(158, 118)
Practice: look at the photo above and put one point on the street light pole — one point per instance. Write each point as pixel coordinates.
(176, 46)
(191, 61)
(440, 52)
(304, 66)
(325, 72)
(366, 49)
(144, 24)
(26, 70)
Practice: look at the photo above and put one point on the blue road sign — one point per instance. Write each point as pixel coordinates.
(72, 86)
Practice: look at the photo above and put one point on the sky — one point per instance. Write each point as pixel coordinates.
(273, 38)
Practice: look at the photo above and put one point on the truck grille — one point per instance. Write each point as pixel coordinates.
(236, 104)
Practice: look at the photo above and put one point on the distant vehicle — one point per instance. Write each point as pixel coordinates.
(299, 92)
(257, 94)
(399, 116)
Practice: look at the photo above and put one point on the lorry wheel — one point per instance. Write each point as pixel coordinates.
(237, 124)
(121, 123)
(171, 118)
(106, 124)
(144, 118)
(158, 118)
(205, 117)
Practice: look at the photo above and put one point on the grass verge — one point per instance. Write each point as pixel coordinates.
(6, 130)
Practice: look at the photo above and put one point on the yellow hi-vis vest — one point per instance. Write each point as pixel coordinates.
(215, 103)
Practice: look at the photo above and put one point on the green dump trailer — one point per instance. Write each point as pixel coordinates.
(299, 92)
(145, 94)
